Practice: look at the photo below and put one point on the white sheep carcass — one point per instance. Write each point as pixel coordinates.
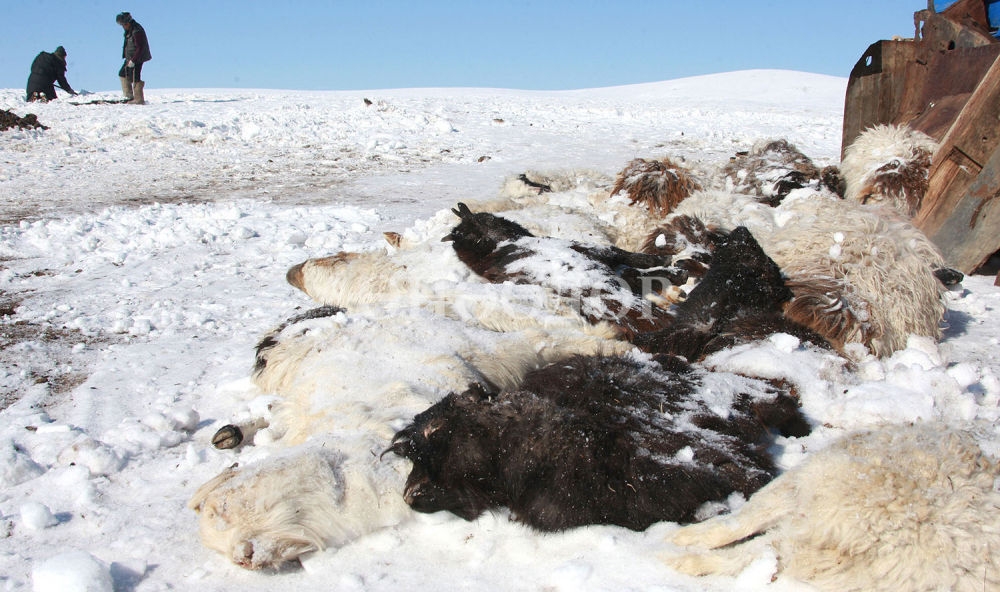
(901, 507)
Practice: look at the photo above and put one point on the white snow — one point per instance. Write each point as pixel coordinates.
(143, 253)
(37, 516)
(72, 571)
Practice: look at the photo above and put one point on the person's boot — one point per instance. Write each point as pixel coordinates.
(126, 88)
(138, 98)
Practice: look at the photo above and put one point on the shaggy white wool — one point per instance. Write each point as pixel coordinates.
(879, 146)
(515, 188)
(341, 399)
(886, 263)
(612, 218)
(331, 374)
(882, 264)
(294, 503)
(902, 507)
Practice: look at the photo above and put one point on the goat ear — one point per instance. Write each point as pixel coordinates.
(393, 238)
(462, 211)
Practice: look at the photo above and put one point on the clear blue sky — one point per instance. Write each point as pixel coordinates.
(373, 44)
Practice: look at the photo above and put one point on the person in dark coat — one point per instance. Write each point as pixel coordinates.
(135, 52)
(46, 70)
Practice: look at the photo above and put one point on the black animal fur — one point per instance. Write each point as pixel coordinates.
(491, 246)
(597, 440)
(687, 242)
(740, 299)
(949, 277)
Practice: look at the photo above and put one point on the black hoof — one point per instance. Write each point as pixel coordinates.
(228, 436)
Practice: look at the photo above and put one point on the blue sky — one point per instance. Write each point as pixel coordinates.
(373, 44)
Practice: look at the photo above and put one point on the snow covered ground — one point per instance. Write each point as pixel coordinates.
(143, 253)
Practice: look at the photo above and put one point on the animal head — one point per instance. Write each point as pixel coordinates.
(451, 469)
(659, 185)
(265, 518)
(479, 234)
(888, 165)
(900, 184)
(770, 171)
(740, 277)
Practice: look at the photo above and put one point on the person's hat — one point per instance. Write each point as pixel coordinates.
(60, 51)
(123, 18)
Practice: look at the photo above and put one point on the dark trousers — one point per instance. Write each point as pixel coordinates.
(131, 74)
(37, 84)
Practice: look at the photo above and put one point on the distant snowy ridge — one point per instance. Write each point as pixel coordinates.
(773, 87)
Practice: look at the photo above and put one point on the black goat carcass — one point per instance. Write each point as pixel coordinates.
(607, 283)
(628, 440)
(740, 299)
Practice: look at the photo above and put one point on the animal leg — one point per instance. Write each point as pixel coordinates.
(728, 561)
(233, 434)
(761, 512)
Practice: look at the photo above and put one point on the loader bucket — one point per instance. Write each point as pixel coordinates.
(944, 82)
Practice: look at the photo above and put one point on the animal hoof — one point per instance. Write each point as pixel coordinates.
(227, 437)
(949, 277)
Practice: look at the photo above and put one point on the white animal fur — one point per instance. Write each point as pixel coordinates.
(878, 146)
(882, 264)
(609, 219)
(301, 501)
(555, 213)
(897, 508)
(343, 399)
(390, 275)
(333, 375)
(422, 270)
(558, 181)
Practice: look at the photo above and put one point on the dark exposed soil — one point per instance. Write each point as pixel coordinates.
(41, 353)
(102, 102)
(9, 120)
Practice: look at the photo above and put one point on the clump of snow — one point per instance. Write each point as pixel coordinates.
(36, 516)
(16, 465)
(72, 571)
